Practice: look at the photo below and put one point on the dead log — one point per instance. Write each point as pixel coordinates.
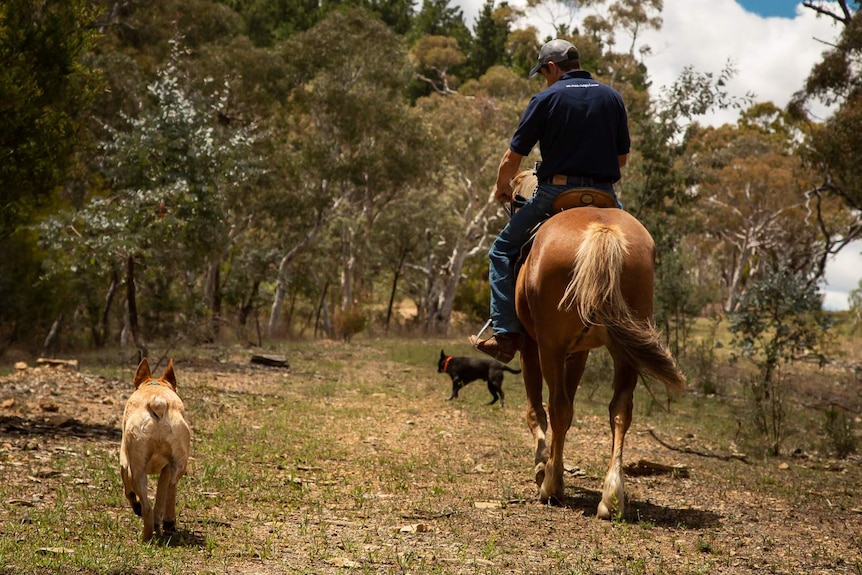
(73, 363)
(270, 360)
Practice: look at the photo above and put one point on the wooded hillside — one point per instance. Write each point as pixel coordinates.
(252, 169)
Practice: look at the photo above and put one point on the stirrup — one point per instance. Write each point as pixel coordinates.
(474, 341)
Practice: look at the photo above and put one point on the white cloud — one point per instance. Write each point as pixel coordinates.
(771, 56)
(843, 273)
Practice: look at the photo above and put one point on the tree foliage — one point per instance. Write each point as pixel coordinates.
(315, 163)
(491, 32)
(834, 148)
(168, 176)
(45, 92)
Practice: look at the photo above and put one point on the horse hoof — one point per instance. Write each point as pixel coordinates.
(540, 474)
(603, 511)
(555, 499)
(609, 512)
(552, 500)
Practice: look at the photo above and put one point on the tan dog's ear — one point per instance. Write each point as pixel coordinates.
(169, 374)
(143, 373)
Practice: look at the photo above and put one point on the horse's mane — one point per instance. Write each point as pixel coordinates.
(524, 184)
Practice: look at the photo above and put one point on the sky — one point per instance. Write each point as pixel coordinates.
(772, 45)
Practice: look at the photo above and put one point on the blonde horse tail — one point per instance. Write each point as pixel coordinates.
(596, 294)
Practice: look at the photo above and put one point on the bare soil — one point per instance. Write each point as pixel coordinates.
(353, 461)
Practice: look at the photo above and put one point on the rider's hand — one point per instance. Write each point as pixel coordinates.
(503, 194)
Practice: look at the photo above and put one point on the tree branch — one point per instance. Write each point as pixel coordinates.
(739, 457)
(845, 19)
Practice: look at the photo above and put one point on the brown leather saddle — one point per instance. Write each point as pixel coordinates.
(583, 197)
(573, 198)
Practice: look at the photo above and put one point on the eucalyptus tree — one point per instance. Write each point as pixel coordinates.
(267, 22)
(433, 57)
(834, 146)
(46, 90)
(353, 142)
(753, 206)
(161, 219)
(471, 130)
(438, 20)
(778, 321)
(660, 189)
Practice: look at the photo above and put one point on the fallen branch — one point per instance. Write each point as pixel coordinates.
(270, 360)
(738, 456)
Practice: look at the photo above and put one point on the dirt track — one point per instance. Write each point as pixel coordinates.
(349, 462)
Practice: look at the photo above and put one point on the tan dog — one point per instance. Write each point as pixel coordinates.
(156, 440)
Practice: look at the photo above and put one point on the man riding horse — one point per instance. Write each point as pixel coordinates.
(587, 281)
(581, 127)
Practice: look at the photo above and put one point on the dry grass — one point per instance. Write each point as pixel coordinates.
(353, 462)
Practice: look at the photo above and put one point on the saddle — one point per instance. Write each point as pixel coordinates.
(573, 198)
(583, 197)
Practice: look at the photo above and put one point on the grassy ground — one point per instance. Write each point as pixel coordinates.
(352, 461)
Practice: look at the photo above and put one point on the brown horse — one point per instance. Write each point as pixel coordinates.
(587, 283)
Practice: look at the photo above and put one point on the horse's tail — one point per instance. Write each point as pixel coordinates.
(596, 293)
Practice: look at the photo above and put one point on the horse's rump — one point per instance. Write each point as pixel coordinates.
(608, 257)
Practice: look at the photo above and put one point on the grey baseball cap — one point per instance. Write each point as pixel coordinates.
(554, 51)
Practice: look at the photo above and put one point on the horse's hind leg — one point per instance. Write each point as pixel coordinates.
(563, 376)
(537, 419)
(620, 411)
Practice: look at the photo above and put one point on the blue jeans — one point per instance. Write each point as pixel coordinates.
(506, 248)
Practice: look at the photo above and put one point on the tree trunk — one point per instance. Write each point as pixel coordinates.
(282, 282)
(443, 282)
(443, 314)
(102, 333)
(51, 339)
(348, 266)
(395, 277)
(322, 309)
(278, 296)
(213, 295)
(132, 308)
(248, 305)
(284, 266)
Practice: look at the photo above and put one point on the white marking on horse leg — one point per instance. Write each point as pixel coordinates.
(613, 489)
(540, 457)
(537, 421)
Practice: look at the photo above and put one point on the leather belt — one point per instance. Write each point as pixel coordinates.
(578, 181)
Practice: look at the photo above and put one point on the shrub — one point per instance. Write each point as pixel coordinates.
(778, 320)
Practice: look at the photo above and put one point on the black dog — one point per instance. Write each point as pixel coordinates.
(463, 370)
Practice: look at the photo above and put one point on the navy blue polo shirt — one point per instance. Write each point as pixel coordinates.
(580, 125)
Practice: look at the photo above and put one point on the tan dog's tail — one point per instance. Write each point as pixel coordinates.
(157, 407)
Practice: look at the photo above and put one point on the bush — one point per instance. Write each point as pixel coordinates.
(779, 319)
(840, 432)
